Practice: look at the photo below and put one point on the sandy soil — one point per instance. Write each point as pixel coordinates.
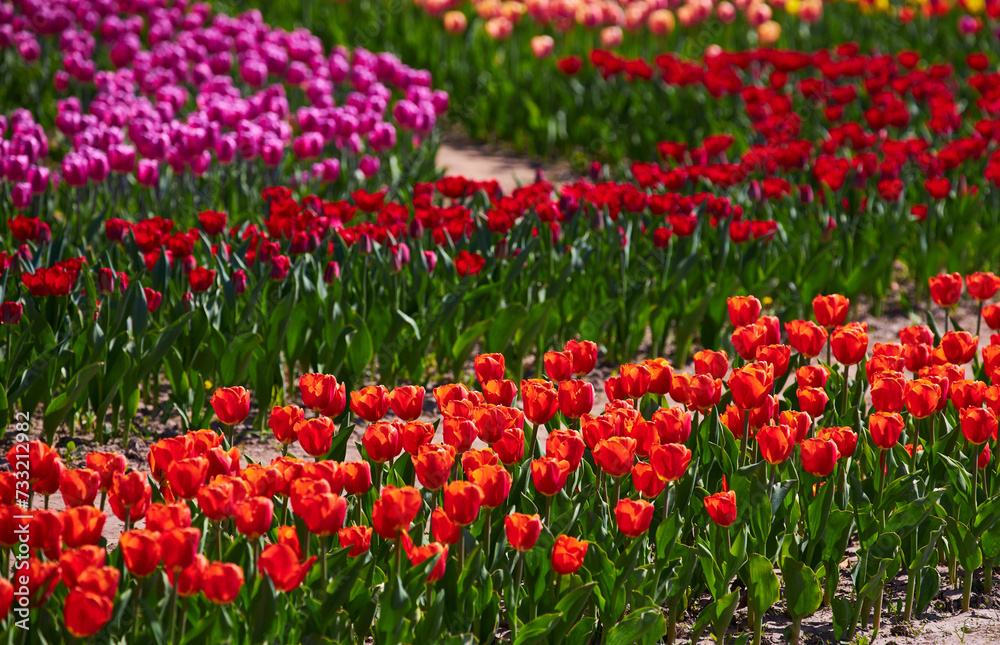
(458, 155)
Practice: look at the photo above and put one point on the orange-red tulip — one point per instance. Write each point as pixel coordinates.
(776, 443)
(541, 400)
(850, 343)
(959, 347)
(216, 500)
(186, 476)
(323, 514)
(370, 403)
(978, 425)
(394, 510)
(670, 461)
(703, 392)
(178, 547)
(885, 429)
(6, 597)
(522, 530)
(382, 442)
(418, 554)
(316, 436)
(751, 385)
(635, 380)
(584, 356)
(806, 337)
(647, 483)
(73, 562)
(281, 564)
(743, 310)
(99, 579)
(673, 425)
(82, 525)
(231, 404)
(322, 393)
(558, 365)
(448, 393)
(831, 310)
(946, 289)
(568, 554)
(615, 456)
(510, 447)
(614, 389)
(991, 316)
(982, 286)
(812, 376)
(433, 465)
(476, 459)
(713, 363)
(777, 356)
(661, 376)
(500, 392)
(812, 400)
(407, 401)
(967, 394)
(565, 445)
(748, 338)
(415, 435)
(254, 516)
(576, 398)
(459, 433)
(85, 613)
(549, 475)
(285, 421)
(141, 551)
(922, 397)
(887, 392)
(359, 538)
(443, 529)
(106, 465)
(495, 482)
(221, 582)
(819, 456)
(599, 428)
(166, 517)
(79, 486)
(633, 517)
(721, 506)
(489, 367)
(845, 438)
(645, 436)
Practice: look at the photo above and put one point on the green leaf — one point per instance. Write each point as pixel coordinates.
(927, 589)
(762, 584)
(571, 608)
(803, 591)
(537, 630)
(646, 626)
(359, 348)
(59, 407)
(265, 609)
(462, 347)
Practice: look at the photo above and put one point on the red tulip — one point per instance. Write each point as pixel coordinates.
(558, 365)
(576, 398)
(549, 475)
(418, 554)
(459, 433)
(282, 565)
(321, 393)
(382, 442)
(359, 538)
(489, 367)
(394, 510)
(231, 404)
(568, 554)
(615, 456)
(443, 529)
(777, 356)
(107, 465)
(721, 506)
(959, 347)
(522, 530)
(885, 429)
(982, 286)
(415, 435)
(819, 456)
(850, 343)
(978, 425)
(73, 562)
(371, 403)
(703, 392)
(565, 445)
(221, 582)
(407, 401)
(647, 483)
(254, 516)
(495, 482)
(887, 392)
(510, 447)
(635, 380)
(806, 337)
(751, 384)
(831, 311)
(541, 400)
(179, 547)
(670, 461)
(633, 517)
(166, 517)
(812, 400)
(82, 525)
(85, 613)
(661, 376)
(500, 392)
(743, 310)
(713, 363)
(141, 551)
(922, 397)
(946, 289)
(316, 436)
(584, 356)
(79, 486)
(285, 421)
(673, 425)
(776, 443)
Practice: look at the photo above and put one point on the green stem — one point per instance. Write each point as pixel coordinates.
(533, 442)
(322, 559)
(135, 609)
(744, 438)
(548, 510)
(173, 610)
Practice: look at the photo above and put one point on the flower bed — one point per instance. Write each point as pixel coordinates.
(611, 527)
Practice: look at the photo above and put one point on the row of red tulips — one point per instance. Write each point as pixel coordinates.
(215, 522)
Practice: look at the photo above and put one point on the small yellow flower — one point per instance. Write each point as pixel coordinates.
(792, 7)
(767, 301)
(208, 385)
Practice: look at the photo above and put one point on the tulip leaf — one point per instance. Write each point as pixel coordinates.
(59, 407)
(843, 617)
(167, 338)
(966, 544)
(537, 631)
(570, 608)
(359, 347)
(762, 584)
(803, 591)
(912, 515)
(265, 608)
(927, 589)
(646, 626)
(462, 347)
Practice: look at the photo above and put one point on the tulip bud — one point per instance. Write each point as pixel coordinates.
(239, 282)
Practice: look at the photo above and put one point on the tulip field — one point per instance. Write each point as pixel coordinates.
(270, 375)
